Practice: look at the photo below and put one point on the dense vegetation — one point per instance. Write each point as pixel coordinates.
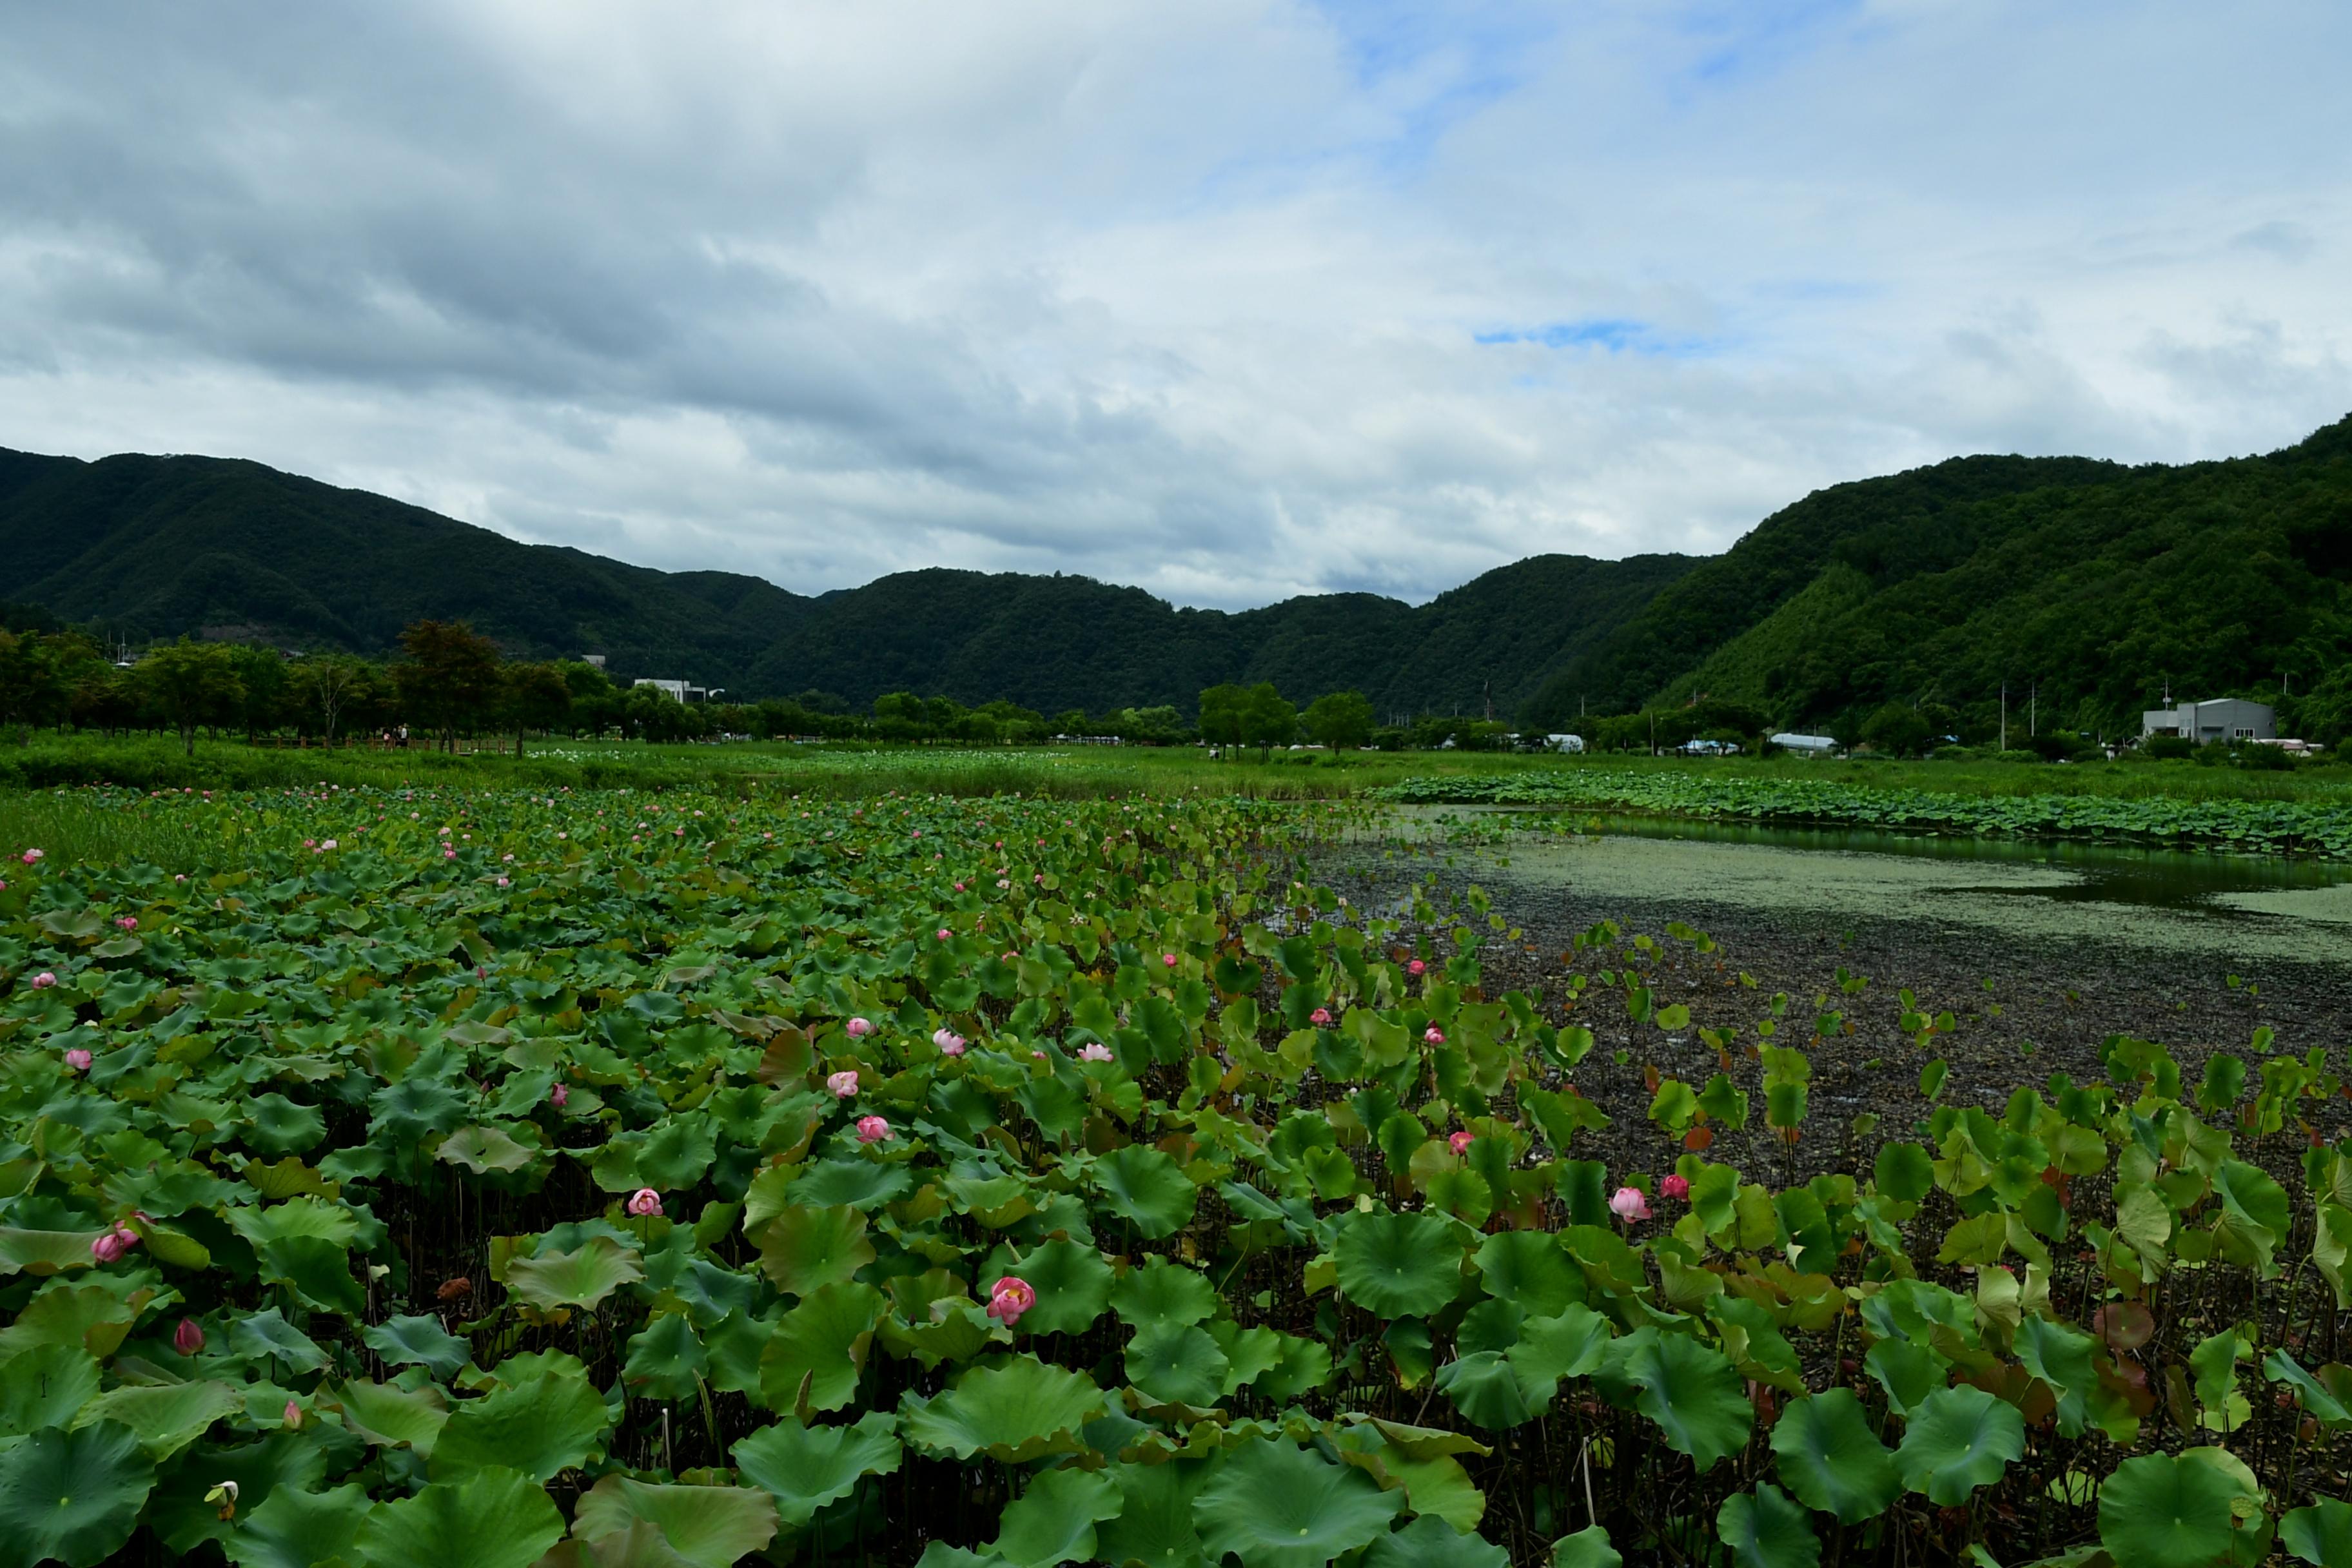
(2091, 585)
(487, 1177)
(2319, 824)
(146, 548)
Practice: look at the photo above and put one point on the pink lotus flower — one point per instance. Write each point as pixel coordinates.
(331, 843)
(842, 1083)
(1169, 959)
(959, 887)
(189, 1337)
(114, 1243)
(1415, 967)
(1628, 1205)
(448, 854)
(128, 923)
(944, 933)
(873, 1130)
(644, 1203)
(1321, 1017)
(1094, 1051)
(504, 883)
(1460, 1141)
(78, 1059)
(1009, 1298)
(1676, 1187)
(34, 857)
(859, 1028)
(559, 1096)
(44, 980)
(947, 1040)
(1433, 1035)
(293, 1416)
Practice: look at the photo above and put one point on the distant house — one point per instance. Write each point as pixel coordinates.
(1805, 745)
(683, 691)
(1563, 742)
(2224, 719)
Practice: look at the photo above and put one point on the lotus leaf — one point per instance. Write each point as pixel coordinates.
(296, 1528)
(387, 1416)
(167, 1418)
(580, 1277)
(1073, 1284)
(1527, 1267)
(1153, 1523)
(2319, 1534)
(1160, 1294)
(71, 1495)
(548, 1424)
(1174, 1363)
(417, 1341)
(1588, 1548)
(1430, 1542)
(1274, 1505)
(822, 1343)
(665, 1359)
(1016, 1410)
(1956, 1441)
(1147, 1189)
(1832, 1460)
(710, 1527)
(2166, 1512)
(1692, 1393)
(1764, 1529)
(1398, 1265)
(805, 1468)
(804, 1249)
(44, 1386)
(485, 1149)
(487, 1518)
(1054, 1521)
(267, 1336)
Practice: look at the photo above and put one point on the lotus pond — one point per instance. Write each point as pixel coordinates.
(490, 1178)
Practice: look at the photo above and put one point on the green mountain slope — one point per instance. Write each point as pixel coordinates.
(2093, 586)
(154, 547)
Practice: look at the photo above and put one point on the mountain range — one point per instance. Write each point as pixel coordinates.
(2094, 582)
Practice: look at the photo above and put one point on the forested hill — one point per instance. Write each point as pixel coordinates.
(2090, 583)
(154, 547)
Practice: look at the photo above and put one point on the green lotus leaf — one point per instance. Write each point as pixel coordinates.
(1054, 1521)
(319, 1272)
(390, 1416)
(296, 1528)
(666, 1360)
(1957, 1440)
(177, 1513)
(1588, 1548)
(1430, 1542)
(1489, 1390)
(710, 1527)
(2317, 1398)
(1176, 1363)
(677, 1153)
(580, 1277)
(850, 1183)
(1147, 1189)
(487, 1518)
(1274, 1505)
(804, 1249)
(1909, 1372)
(276, 1125)
(82, 1317)
(2162, 1511)
(1305, 1367)
(2060, 1357)
(72, 1497)
(167, 1417)
(805, 1468)
(1572, 1344)
(1695, 1395)
(1398, 1265)
(2319, 1534)
(44, 1386)
(41, 1253)
(267, 1336)
(419, 1341)
(1831, 1459)
(823, 1341)
(1160, 1294)
(1766, 1530)
(1154, 1522)
(940, 1554)
(2254, 1216)
(307, 1217)
(1073, 1284)
(485, 1149)
(1017, 1410)
(539, 1427)
(1528, 1267)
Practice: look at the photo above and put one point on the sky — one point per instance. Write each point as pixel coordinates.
(1233, 301)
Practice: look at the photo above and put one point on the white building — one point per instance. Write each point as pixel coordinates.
(2223, 718)
(683, 691)
(1564, 742)
(1805, 745)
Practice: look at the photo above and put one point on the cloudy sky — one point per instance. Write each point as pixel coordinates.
(1231, 300)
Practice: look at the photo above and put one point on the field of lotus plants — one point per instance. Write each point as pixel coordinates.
(448, 1179)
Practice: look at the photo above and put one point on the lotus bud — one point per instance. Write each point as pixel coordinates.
(78, 1059)
(189, 1337)
(559, 1096)
(646, 1204)
(842, 1083)
(873, 1130)
(1169, 959)
(1628, 1205)
(1433, 1035)
(1415, 967)
(1321, 1017)
(44, 980)
(1676, 1187)
(859, 1028)
(293, 1416)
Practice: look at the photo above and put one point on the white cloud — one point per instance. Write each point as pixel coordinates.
(1184, 296)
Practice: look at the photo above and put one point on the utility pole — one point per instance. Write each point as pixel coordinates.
(2033, 710)
(2005, 715)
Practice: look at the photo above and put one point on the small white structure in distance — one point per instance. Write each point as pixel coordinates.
(1805, 745)
(683, 691)
(1564, 742)
(2223, 718)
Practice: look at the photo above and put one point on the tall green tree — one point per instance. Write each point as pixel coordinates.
(537, 697)
(1339, 720)
(191, 683)
(1224, 716)
(450, 680)
(1268, 719)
